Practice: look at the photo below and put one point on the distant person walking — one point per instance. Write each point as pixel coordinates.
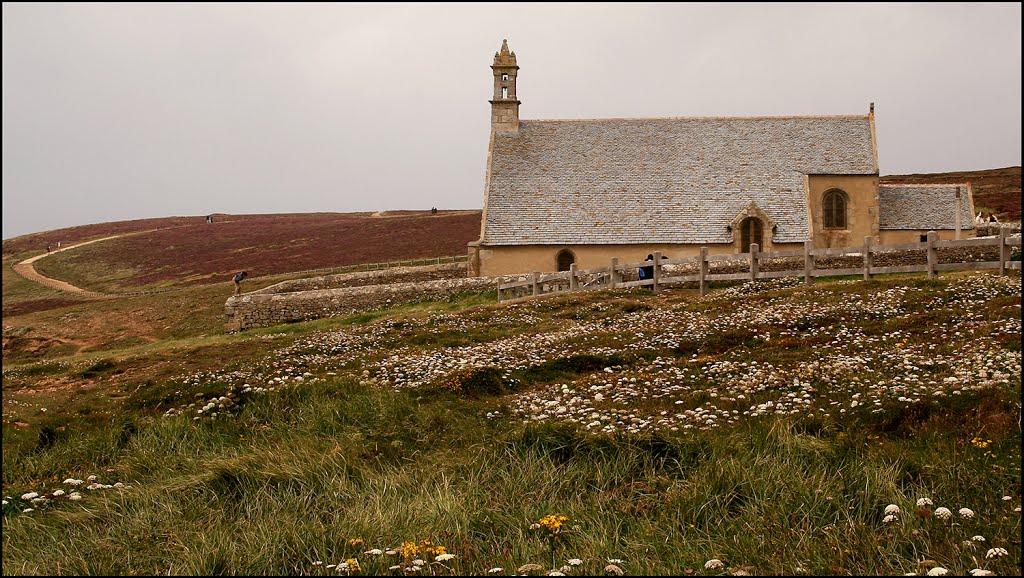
(239, 277)
(47, 249)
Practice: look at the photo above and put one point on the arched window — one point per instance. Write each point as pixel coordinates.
(834, 206)
(751, 232)
(565, 258)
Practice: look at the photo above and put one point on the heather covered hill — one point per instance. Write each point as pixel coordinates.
(995, 190)
(171, 251)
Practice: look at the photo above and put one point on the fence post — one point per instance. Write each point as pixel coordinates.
(808, 263)
(1004, 250)
(867, 258)
(612, 278)
(657, 271)
(574, 284)
(933, 255)
(536, 283)
(703, 271)
(499, 290)
(754, 249)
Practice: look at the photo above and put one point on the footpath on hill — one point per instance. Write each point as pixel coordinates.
(26, 270)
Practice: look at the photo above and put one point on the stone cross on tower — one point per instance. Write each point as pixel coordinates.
(505, 106)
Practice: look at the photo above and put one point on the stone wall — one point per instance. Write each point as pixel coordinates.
(264, 308)
(366, 278)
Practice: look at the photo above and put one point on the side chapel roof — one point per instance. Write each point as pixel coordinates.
(924, 207)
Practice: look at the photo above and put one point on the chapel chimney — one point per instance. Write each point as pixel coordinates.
(505, 105)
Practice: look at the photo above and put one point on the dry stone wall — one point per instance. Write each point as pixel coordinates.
(288, 302)
(366, 278)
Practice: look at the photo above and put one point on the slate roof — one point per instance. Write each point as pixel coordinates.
(925, 207)
(670, 180)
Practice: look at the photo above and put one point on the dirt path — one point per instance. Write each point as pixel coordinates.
(26, 270)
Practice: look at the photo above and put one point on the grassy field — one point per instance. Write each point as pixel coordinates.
(767, 427)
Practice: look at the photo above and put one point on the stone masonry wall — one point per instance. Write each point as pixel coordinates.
(258, 309)
(366, 278)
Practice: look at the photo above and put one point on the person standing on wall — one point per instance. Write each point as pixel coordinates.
(239, 277)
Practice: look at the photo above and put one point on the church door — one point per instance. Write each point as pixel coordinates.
(751, 232)
(565, 259)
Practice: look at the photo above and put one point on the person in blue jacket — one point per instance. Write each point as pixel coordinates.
(647, 272)
(239, 277)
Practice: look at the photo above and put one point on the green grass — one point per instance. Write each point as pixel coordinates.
(292, 475)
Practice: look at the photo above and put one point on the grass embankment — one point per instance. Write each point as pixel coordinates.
(767, 428)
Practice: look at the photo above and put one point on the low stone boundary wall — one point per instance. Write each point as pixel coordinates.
(366, 278)
(260, 309)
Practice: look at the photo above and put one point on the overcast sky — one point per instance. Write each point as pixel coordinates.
(114, 111)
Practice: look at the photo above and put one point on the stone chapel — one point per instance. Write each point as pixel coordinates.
(583, 191)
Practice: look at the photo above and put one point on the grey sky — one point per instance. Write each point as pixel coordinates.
(115, 111)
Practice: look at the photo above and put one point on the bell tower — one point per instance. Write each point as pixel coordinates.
(505, 105)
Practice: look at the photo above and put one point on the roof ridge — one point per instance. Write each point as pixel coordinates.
(964, 184)
(864, 116)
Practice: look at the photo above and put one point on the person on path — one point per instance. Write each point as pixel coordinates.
(239, 277)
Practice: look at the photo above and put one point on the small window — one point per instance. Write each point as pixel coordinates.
(565, 259)
(504, 76)
(504, 92)
(834, 205)
(924, 238)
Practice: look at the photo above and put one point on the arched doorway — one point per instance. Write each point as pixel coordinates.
(751, 231)
(565, 259)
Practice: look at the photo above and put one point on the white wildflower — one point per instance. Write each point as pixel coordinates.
(938, 571)
(575, 562)
(374, 552)
(981, 572)
(445, 557)
(996, 553)
(924, 503)
(888, 519)
(92, 478)
(615, 561)
(892, 510)
(554, 573)
(495, 570)
(977, 538)
(74, 496)
(395, 567)
(27, 510)
(967, 513)
(29, 496)
(613, 569)
(943, 513)
(714, 564)
(58, 493)
(1007, 498)
(418, 562)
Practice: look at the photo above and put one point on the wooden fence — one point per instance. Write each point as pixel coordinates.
(611, 277)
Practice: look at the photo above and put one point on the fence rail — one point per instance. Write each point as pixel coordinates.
(611, 277)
